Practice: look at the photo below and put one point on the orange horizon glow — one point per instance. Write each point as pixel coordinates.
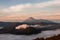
(24, 17)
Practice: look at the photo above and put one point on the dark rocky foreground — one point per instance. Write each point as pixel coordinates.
(49, 38)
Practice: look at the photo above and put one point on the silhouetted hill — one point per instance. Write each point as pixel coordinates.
(49, 38)
(53, 27)
(9, 27)
(27, 31)
(31, 20)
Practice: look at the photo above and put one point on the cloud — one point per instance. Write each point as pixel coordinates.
(50, 33)
(24, 7)
(23, 11)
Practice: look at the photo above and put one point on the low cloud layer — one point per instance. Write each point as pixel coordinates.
(30, 37)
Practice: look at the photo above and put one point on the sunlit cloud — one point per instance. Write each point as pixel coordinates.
(22, 7)
(24, 11)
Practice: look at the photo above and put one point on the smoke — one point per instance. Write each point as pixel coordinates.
(22, 26)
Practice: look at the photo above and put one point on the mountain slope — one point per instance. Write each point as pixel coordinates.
(31, 20)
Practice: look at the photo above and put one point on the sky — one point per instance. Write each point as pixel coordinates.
(11, 10)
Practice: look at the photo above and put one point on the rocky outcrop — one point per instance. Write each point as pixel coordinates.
(49, 38)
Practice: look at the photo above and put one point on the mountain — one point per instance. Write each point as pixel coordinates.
(9, 27)
(32, 20)
(26, 31)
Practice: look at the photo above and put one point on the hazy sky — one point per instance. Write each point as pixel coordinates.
(20, 9)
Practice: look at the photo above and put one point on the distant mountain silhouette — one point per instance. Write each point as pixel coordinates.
(9, 27)
(53, 27)
(31, 20)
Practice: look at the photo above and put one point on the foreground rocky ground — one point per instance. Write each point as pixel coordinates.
(49, 38)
